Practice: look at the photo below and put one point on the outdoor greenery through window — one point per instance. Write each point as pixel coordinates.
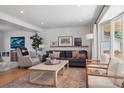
(118, 38)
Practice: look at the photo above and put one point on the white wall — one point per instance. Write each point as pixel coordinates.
(53, 34)
(48, 36)
(8, 34)
(1, 41)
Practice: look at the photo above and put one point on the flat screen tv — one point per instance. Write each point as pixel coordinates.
(17, 42)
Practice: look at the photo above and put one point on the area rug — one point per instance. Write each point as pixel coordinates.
(72, 78)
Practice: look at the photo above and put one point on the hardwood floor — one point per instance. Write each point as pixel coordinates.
(11, 75)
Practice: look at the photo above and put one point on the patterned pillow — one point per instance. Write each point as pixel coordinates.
(24, 51)
(75, 54)
(56, 54)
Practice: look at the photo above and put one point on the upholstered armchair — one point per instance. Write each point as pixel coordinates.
(99, 79)
(24, 58)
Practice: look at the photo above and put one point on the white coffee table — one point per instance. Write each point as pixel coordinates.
(43, 68)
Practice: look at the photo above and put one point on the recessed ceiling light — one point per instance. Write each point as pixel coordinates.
(42, 23)
(78, 5)
(21, 12)
(80, 20)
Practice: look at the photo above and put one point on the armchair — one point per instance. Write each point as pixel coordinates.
(100, 64)
(24, 59)
(114, 78)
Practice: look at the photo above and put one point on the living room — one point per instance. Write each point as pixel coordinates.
(68, 42)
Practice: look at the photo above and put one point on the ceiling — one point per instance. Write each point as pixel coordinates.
(7, 26)
(113, 11)
(50, 16)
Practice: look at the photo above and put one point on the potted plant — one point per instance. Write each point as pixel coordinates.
(36, 41)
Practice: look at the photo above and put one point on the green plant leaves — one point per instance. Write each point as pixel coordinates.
(36, 41)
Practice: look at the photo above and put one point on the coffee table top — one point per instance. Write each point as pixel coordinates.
(56, 67)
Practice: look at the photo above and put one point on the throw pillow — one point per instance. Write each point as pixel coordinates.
(51, 55)
(24, 51)
(56, 54)
(75, 54)
(82, 56)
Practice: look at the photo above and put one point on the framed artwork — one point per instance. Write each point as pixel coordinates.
(77, 41)
(16, 42)
(65, 40)
(54, 43)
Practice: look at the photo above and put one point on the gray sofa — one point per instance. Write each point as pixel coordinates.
(67, 55)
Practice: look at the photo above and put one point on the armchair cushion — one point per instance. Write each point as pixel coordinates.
(114, 78)
(100, 82)
(118, 71)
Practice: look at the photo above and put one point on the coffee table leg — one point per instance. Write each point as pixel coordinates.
(29, 76)
(67, 65)
(55, 78)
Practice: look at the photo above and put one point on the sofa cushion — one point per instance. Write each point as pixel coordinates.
(62, 54)
(68, 54)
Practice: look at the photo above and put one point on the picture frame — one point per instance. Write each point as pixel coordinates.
(54, 43)
(65, 41)
(78, 41)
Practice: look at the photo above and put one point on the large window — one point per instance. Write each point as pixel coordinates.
(111, 38)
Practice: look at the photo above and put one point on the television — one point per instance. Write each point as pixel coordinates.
(17, 42)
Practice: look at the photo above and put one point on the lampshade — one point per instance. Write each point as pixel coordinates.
(41, 46)
(90, 36)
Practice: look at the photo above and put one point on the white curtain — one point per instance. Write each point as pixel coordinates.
(94, 43)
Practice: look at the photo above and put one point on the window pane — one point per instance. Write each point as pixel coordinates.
(118, 38)
(106, 41)
(106, 28)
